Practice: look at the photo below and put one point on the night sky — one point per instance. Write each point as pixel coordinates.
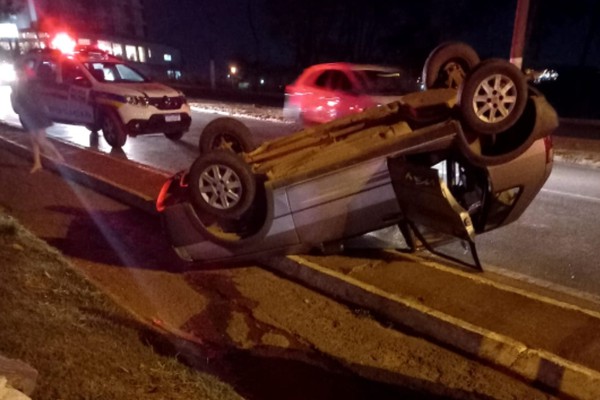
(204, 29)
(562, 32)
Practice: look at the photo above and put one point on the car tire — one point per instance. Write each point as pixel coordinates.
(113, 129)
(493, 97)
(174, 135)
(226, 134)
(448, 64)
(222, 184)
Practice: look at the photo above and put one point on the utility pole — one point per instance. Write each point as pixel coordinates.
(519, 31)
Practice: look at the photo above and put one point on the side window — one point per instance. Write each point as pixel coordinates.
(323, 80)
(71, 71)
(46, 71)
(340, 81)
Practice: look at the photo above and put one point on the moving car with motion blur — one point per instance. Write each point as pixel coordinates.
(463, 157)
(92, 88)
(324, 92)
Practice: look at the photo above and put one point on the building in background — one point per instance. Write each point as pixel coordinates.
(116, 26)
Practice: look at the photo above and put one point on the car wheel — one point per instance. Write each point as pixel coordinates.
(222, 184)
(448, 64)
(174, 135)
(113, 129)
(226, 134)
(493, 97)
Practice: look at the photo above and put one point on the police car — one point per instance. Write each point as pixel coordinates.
(92, 88)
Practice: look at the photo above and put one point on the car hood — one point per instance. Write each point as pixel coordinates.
(148, 89)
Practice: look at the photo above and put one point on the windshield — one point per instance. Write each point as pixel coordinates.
(114, 72)
(379, 82)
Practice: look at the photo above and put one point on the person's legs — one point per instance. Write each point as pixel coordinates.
(48, 148)
(37, 160)
(41, 145)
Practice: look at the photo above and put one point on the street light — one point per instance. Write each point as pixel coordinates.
(233, 70)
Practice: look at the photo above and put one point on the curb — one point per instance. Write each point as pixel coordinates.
(557, 375)
(100, 184)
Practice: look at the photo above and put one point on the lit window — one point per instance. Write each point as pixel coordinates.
(131, 52)
(117, 50)
(105, 46)
(84, 42)
(142, 54)
(167, 57)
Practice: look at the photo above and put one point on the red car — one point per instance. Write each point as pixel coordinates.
(325, 92)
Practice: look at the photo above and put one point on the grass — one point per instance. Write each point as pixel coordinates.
(81, 343)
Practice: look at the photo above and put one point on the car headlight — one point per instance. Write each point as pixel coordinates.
(137, 100)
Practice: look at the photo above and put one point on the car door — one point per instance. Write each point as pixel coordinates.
(428, 199)
(53, 94)
(347, 94)
(79, 87)
(336, 96)
(329, 98)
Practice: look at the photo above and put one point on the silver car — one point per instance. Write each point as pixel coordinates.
(465, 156)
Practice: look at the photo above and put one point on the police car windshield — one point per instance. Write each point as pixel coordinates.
(113, 72)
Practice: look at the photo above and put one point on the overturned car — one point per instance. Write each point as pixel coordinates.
(465, 156)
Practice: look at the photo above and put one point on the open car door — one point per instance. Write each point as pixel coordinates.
(425, 197)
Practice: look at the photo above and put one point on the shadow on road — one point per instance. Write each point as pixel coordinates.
(128, 238)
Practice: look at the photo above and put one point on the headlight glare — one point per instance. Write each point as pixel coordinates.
(137, 100)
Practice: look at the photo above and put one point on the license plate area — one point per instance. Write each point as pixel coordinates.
(172, 118)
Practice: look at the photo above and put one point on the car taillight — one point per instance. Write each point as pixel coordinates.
(162, 195)
(169, 190)
(549, 149)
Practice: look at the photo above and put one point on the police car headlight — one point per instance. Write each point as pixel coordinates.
(137, 100)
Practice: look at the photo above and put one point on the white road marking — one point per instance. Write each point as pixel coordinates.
(572, 195)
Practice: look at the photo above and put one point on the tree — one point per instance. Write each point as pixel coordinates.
(400, 32)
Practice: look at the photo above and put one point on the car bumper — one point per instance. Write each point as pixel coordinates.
(158, 124)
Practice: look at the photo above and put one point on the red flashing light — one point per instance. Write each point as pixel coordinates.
(64, 43)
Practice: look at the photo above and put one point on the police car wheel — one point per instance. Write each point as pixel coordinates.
(113, 130)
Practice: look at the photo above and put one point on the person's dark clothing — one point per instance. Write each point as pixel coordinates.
(31, 109)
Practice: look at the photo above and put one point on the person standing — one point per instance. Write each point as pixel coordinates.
(33, 116)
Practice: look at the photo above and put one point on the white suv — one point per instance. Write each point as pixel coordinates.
(99, 91)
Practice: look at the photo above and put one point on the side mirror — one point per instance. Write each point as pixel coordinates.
(82, 81)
